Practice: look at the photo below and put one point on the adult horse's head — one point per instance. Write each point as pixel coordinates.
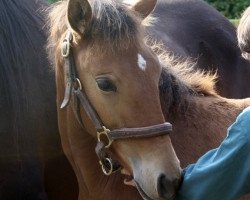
(120, 76)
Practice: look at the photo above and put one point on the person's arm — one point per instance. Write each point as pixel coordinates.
(222, 173)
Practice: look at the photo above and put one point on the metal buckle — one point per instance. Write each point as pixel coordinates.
(105, 170)
(66, 45)
(78, 83)
(105, 132)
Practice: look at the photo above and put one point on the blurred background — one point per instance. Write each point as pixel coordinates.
(232, 9)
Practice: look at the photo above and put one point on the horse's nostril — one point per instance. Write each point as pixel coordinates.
(167, 187)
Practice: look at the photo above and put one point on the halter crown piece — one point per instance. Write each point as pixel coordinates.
(74, 90)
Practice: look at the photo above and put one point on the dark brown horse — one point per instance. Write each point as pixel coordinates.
(192, 28)
(29, 140)
(244, 34)
(120, 74)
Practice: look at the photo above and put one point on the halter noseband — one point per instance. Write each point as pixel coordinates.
(73, 89)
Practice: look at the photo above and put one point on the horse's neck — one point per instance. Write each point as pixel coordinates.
(202, 124)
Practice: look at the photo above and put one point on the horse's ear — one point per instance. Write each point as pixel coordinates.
(143, 7)
(79, 15)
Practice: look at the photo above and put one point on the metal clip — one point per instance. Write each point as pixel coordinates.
(107, 171)
(78, 83)
(105, 132)
(66, 45)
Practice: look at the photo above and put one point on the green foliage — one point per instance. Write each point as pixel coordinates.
(52, 1)
(232, 9)
(235, 22)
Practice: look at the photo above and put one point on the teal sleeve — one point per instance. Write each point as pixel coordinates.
(222, 173)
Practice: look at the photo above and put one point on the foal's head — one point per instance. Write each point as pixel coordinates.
(120, 75)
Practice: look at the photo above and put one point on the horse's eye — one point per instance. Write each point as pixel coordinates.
(106, 85)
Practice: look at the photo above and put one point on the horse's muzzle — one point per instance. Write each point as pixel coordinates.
(166, 187)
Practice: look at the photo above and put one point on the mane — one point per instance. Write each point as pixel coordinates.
(184, 71)
(113, 27)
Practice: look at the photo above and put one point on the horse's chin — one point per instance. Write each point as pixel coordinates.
(130, 181)
(134, 183)
(141, 191)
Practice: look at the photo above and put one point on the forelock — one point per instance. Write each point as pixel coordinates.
(113, 25)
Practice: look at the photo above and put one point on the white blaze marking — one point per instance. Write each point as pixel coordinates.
(142, 62)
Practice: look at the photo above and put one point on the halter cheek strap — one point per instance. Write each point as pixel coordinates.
(73, 89)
